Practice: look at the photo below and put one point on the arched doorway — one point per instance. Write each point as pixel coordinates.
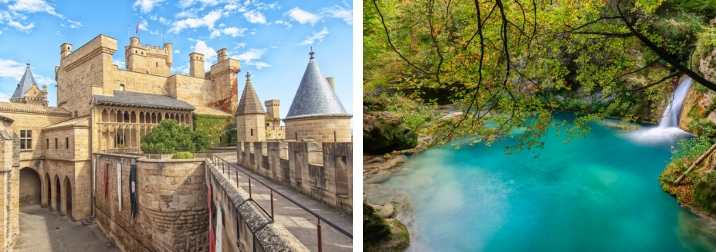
(58, 202)
(49, 190)
(68, 196)
(30, 186)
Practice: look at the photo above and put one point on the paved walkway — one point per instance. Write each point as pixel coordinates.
(42, 230)
(299, 222)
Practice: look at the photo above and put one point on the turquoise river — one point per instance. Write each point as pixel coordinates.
(598, 193)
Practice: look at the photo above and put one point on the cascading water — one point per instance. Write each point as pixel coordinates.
(670, 117)
(668, 128)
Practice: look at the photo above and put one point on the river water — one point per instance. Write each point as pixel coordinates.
(598, 193)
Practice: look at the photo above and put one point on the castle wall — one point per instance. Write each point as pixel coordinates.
(172, 204)
(320, 129)
(34, 122)
(330, 182)
(193, 90)
(133, 81)
(245, 225)
(9, 189)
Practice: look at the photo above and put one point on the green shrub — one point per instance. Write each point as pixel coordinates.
(183, 155)
(169, 137)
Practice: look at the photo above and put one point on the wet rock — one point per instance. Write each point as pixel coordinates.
(384, 132)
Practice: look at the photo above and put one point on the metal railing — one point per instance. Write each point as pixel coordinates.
(225, 166)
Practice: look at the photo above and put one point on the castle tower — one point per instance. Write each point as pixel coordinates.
(272, 112)
(196, 65)
(250, 116)
(65, 49)
(316, 113)
(27, 90)
(225, 82)
(148, 59)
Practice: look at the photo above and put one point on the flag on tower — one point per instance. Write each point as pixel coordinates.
(137, 29)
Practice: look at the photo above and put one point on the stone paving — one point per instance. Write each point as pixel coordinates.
(43, 230)
(299, 222)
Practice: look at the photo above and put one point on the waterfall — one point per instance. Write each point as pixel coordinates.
(668, 129)
(672, 112)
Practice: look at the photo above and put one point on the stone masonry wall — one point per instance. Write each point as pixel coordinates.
(254, 224)
(172, 211)
(331, 182)
(320, 129)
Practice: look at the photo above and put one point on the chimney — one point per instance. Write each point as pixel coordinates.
(330, 81)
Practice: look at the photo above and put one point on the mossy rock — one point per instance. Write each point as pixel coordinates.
(384, 132)
(383, 235)
(704, 192)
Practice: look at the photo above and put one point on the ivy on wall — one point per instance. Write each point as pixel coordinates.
(219, 128)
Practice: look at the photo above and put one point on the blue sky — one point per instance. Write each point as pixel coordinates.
(270, 39)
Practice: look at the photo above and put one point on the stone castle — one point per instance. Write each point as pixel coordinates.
(47, 155)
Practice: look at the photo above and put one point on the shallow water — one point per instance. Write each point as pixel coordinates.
(598, 193)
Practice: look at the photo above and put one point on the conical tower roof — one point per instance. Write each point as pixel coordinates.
(315, 97)
(249, 102)
(25, 84)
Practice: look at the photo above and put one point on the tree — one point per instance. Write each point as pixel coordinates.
(168, 137)
(505, 61)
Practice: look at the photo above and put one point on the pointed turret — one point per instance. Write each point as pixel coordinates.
(250, 115)
(25, 84)
(316, 113)
(249, 102)
(315, 97)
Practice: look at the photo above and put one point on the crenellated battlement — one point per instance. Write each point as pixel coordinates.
(147, 59)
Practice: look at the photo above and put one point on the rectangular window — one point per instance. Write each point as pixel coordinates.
(56, 145)
(47, 145)
(26, 139)
(67, 142)
(121, 87)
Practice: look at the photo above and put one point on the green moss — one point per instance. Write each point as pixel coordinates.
(218, 128)
(183, 155)
(704, 192)
(374, 226)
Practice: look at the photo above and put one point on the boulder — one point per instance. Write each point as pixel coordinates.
(385, 132)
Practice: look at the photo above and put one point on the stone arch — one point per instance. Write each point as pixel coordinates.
(68, 197)
(30, 186)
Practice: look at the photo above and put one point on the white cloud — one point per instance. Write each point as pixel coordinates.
(143, 25)
(185, 3)
(21, 27)
(119, 64)
(240, 45)
(255, 17)
(234, 32)
(183, 69)
(146, 6)
(265, 6)
(188, 13)
(252, 57)
(316, 36)
(207, 21)
(0, 32)
(338, 12)
(231, 7)
(14, 70)
(209, 53)
(302, 16)
(11, 69)
(74, 24)
(177, 51)
(4, 97)
(33, 6)
(163, 21)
